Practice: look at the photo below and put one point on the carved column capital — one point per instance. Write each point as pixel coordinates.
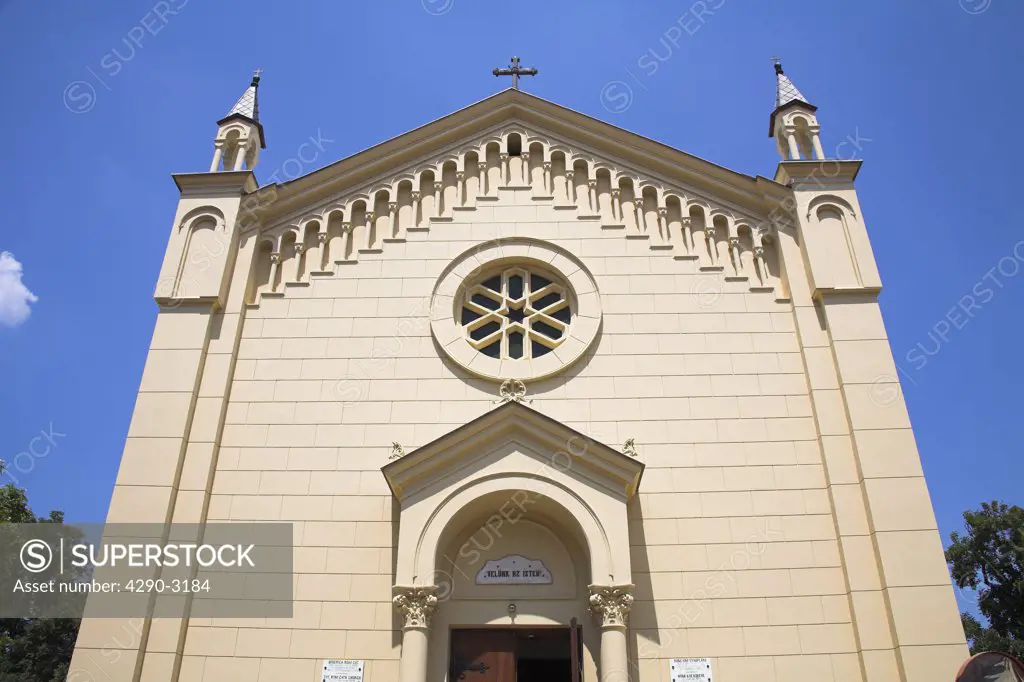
(759, 252)
(710, 231)
(321, 237)
(525, 155)
(481, 165)
(662, 211)
(299, 246)
(438, 186)
(611, 604)
(687, 221)
(503, 156)
(547, 165)
(615, 193)
(346, 228)
(570, 173)
(460, 175)
(392, 205)
(416, 605)
(275, 257)
(734, 241)
(416, 195)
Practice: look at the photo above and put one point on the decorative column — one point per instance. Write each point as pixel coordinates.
(762, 276)
(527, 180)
(481, 169)
(504, 169)
(297, 270)
(416, 207)
(709, 234)
(610, 606)
(592, 195)
(665, 237)
(570, 186)
(347, 241)
(393, 218)
(734, 252)
(688, 234)
(437, 198)
(794, 150)
(549, 187)
(275, 263)
(460, 188)
(239, 158)
(321, 239)
(368, 222)
(616, 205)
(218, 154)
(638, 207)
(416, 606)
(819, 153)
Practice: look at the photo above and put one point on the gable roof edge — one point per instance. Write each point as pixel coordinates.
(423, 462)
(494, 110)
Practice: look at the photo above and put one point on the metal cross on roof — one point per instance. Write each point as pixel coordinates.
(515, 71)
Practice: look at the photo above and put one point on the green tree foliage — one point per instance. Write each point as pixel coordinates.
(32, 649)
(989, 558)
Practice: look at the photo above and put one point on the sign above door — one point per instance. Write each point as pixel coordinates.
(514, 570)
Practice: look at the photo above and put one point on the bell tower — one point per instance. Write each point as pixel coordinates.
(174, 438)
(793, 123)
(240, 135)
(835, 241)
(888, 538)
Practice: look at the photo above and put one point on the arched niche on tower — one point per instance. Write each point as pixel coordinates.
(831, 238)
(204, 256)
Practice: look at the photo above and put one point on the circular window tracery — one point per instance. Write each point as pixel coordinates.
(556, 314)
(516, 314)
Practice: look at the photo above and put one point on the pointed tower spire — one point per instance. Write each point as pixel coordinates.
(240, 135)
(793, 123)
(785, 91)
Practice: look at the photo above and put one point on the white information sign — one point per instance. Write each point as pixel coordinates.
(337, 670)
(514, 570)
(689, 670)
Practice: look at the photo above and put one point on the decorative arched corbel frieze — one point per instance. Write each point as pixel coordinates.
(334, 210)
(384, 187)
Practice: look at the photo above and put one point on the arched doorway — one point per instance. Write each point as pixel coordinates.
(512, 491)
(512, 574)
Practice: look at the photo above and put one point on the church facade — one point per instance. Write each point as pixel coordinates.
(539, 397)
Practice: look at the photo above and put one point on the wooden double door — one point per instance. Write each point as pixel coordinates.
(552, 654)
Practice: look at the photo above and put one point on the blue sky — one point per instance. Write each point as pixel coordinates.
(103, 101)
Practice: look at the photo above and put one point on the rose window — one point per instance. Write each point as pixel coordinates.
(516, 314)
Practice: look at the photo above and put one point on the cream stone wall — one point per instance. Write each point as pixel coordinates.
(782, 526)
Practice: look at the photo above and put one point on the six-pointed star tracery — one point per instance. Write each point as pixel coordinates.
(516, 314)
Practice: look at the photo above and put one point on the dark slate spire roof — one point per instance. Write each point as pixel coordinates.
(785, 91)
(248, 107)
(785, 94)
(248, 104)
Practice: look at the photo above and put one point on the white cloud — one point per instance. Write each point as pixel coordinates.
(14, 296)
